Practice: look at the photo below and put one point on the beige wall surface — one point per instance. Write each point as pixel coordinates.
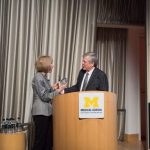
(132, 91)
(148, 48)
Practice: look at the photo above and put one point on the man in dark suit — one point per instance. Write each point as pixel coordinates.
(90, 77)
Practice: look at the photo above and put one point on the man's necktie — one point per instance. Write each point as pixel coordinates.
(85, 82)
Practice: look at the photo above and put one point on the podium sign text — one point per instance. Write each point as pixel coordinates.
(91, 105)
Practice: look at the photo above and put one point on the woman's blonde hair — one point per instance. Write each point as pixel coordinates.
(42, 64)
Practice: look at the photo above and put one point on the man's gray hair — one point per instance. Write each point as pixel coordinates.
(93, 57)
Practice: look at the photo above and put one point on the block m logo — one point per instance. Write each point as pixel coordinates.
(91, 102)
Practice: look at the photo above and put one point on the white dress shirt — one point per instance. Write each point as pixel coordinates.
(90, 73)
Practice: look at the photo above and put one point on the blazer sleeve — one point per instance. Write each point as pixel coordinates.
(75, 87)
(45, 94)
(103, 82)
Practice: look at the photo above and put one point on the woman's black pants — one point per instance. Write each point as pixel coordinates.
(43, 139)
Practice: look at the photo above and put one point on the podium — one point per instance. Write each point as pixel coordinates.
(72, 133)
(13, 141)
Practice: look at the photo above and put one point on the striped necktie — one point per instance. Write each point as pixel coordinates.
(85, 82)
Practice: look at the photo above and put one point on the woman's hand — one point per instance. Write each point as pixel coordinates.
(55, 86)
(61, 88)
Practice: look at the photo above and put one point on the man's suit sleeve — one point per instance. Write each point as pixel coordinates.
(75, 87)
(104, 82)
(71, 89)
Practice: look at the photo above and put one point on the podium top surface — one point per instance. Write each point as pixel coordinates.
(105, 92)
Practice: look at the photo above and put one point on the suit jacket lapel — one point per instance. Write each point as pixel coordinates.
(81, 78)
(91, 78)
